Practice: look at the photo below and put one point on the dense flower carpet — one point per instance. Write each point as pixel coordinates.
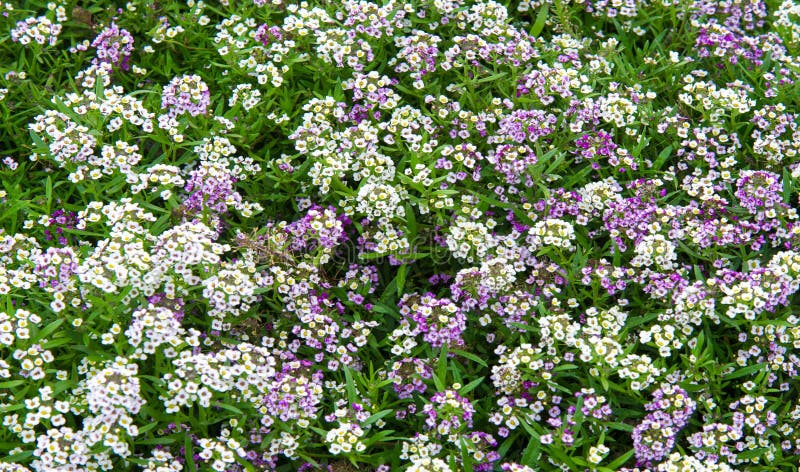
(399, 235)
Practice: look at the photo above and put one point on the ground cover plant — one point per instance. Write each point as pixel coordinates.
(412, 235)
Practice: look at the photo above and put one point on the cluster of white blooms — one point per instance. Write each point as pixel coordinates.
(16, 326)
(152, 327)
(422, 454)
(692, 305)
(595, 196)
(676, 462)
(525, 357)
(786, 263)
(118, 158)
(787, 21)
(241, 373)
(665, 336)
(655, 249)
(257, 51)
(65, 449)
(411, 127)
(777, 135)
(345, 439)
(597, 453)
(41, 408)
(379, 202)
(339, 47)
(387, 240)
(416, 56)
(427, 464)
(373, 88)
(559, 328)
(13, 467)
(248, 97)
(471, 240)
(39, 30)
(180, 249)
(231, 291)
(705, 95)
(221, 453)
(69, 144)
(702, 187)
(15, 253)
(314, 138)
(551, 232)
(600, 350)
(113, 398)
(123, 259)
(220, 149)
(463, 153)
(33, 359)
(98, 95)
(513, 467)
(158, 178)
(108, 397)
(161, 460)
(499, 274)
(286, 445)
(618, 110)
(639, 369)
(606, 322)
(755, 294)
(163, 32)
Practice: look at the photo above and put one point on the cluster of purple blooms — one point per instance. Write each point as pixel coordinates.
(186, 94)
(114, 45)
(669, 413)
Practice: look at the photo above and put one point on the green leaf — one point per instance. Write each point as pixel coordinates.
(532, 451)
(440, 378)
(401, 279)
(187, 444)
(148, 427)
(230, 408)
(155, 441)
(375, 417)
(758, 452)
(466, 457)
(503, 449)
(788, 185)
(745, 371)
(470, 356)
(541, 19)
(47, 330)
(11, 384)
(470, 386)
(662, 157)
(352, 393)
(17, 457)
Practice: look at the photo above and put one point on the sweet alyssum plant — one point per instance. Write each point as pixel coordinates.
(445, 235)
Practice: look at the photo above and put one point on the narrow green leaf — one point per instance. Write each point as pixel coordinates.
(47, 330)
(402, 271)
(230, 408)
(11, 384)
(352, 393)
(440, 379)
(745, 371)
(375, 417)
(470, 356)
(470, 386)
(541, 18)
(187, 444)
